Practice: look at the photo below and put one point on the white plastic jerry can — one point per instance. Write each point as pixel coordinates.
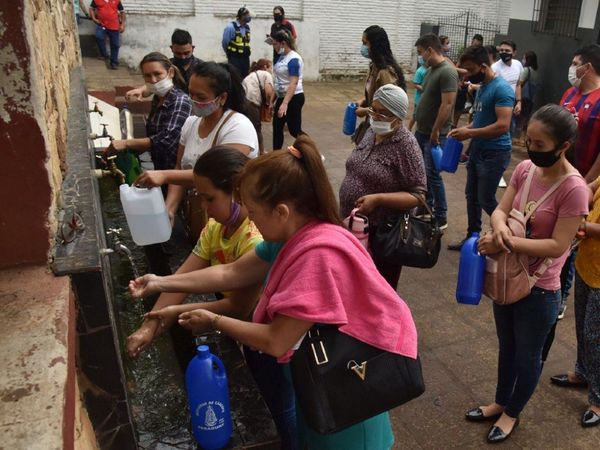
(146, 214)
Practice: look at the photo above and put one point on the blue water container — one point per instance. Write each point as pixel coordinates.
(208, 399)
(350, 119)
(436, 155)
(451, 156)
(471, 272)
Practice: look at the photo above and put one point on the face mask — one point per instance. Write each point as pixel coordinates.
(380, 127)
(505, 57)
(234, 214)
(277, 18)
(543, 159)
(161, 87)
(281, 50)
(203, 109)
(573, 76)
(247, 19)
(181, 62)
(420, 60)
(479, 77)
(364, 50)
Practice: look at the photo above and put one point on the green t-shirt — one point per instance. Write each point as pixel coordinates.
(439, 79)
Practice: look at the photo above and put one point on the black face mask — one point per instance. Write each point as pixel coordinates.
(543, 159)
(277, 18)
(479, 77)
(181, 62)
(505, 57)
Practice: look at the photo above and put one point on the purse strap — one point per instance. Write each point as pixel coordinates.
(263, 96)
(422, 201)
(214, 142)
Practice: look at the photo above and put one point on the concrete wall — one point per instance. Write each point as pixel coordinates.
(39, 46)
(329, 31)
(554, 52)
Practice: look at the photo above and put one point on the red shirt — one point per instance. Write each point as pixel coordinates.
(586, 109)
(107, 12)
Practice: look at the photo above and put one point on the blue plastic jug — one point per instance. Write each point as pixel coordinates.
(471, 272)
(436, 155)
(208, 398)
(350, 119)
(451, 156)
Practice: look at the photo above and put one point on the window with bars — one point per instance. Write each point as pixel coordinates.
(559, 17)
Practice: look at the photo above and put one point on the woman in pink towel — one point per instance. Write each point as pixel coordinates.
(320, 274)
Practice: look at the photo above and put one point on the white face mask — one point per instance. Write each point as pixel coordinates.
(573, 76)
(161, 87)
(380, 127)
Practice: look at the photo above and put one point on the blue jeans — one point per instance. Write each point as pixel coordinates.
(522, 329)
(278, 393)
(114, 38)
(436, 192)
(566, 275)
(484, 171)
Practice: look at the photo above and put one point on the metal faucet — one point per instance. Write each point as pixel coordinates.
(114, 170)
(104, 134)
(116, 245)
(96, 109)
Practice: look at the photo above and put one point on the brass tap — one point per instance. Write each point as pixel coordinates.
(114, 170)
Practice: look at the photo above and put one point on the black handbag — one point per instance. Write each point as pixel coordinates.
(341, 381)
(407, 240)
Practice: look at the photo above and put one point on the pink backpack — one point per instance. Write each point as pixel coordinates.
(507, 278)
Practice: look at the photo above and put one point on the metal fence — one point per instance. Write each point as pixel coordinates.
(558, 17)
(461, 28)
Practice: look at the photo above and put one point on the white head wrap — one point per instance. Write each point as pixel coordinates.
(394, 99)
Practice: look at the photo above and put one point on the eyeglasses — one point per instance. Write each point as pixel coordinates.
(378, 116)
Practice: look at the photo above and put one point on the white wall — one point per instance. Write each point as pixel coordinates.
(329, 30)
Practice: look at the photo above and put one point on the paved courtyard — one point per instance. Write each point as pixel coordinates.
(457, 343)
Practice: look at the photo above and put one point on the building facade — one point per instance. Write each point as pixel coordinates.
(553, 29)
(329, 31)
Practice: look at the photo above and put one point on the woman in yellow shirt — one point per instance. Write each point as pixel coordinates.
(587, 313)
(227, 236)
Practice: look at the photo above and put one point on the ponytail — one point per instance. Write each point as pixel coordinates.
(295, 176)
(261, 64)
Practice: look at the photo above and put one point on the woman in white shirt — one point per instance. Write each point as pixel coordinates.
(259, 89)
(288, 88)
(218, 104)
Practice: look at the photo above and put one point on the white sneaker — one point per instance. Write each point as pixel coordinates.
(502, 183)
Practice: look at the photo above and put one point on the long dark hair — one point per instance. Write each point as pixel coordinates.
(531, 60)
(279, 177)
(223, 78)
(284, 36)
(381, 52)
(221, 165)
(158, 57)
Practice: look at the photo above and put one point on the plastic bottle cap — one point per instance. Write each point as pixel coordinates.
(202, 349)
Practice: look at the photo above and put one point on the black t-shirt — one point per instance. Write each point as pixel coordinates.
(187, 73)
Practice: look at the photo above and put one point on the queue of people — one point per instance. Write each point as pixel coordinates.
(273, 247)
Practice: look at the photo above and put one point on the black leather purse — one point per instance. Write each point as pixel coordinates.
(407, 240)
(341, 381)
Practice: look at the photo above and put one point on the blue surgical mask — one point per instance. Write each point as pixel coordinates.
(420, 60)
(364, 50)
(248, 19)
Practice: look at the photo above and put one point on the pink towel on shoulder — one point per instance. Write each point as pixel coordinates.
(324, 275)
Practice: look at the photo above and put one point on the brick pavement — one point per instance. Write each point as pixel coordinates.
(458, 345)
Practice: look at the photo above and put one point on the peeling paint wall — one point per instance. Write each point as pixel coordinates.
(38, 48)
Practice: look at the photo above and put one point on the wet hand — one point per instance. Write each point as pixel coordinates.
(116, 146)
(167, 314)
(197, 321)
(460, 133)
(282, 110)
(367, 203)
(145, 285)
(136, 94)
(151, 178)
(138, 341)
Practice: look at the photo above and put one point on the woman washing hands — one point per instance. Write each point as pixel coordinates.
(522, 327)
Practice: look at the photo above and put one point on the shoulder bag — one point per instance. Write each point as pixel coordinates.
(507, 279)
(407, 240)
(266, 112)
(341, 381)
(194, 215)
